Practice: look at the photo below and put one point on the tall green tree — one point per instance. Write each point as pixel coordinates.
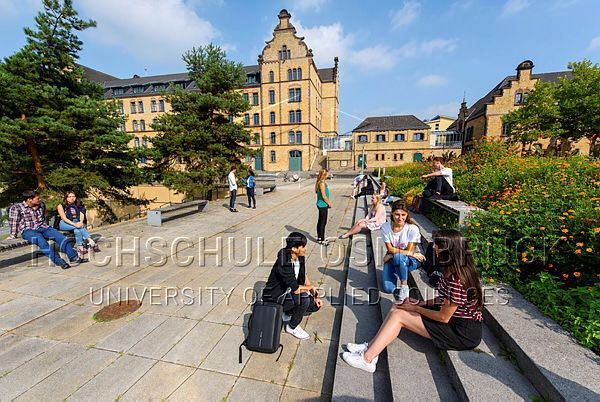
(57, 132)
(197, 142)
(565, 112)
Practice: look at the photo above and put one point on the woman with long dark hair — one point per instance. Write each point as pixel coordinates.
(452, 320)
(72, 219)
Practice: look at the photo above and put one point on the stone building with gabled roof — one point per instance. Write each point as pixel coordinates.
(294, 105)
(484, 117)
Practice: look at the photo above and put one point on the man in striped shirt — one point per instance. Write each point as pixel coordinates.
(28, 218)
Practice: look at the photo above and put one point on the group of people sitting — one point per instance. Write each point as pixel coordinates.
(28, 219)
(452, 320)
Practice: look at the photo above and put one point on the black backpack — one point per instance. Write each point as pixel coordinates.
(264, 328)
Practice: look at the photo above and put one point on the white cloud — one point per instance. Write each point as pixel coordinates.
(514, 6)
(445, 109)
(304, 5)
(431, 80)
(328, 41)
(379, 57)
(460, 6)
(595, 43)
(414, 48)
(153, 30)
(406, 15)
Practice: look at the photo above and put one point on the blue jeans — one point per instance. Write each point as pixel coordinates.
(40, 236)
(80, 233)
(397, 268)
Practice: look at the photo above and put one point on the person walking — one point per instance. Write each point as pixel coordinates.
(323, 205)
(28, 218)
(250, 183)
(232, 188)
(72, 219)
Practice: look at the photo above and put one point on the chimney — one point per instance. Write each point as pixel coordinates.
(284, 19)
(524, 70)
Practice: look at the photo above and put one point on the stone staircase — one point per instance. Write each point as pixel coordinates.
(523, 355)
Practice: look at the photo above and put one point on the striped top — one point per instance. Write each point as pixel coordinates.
(454, 291)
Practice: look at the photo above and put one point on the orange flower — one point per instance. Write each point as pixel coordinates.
(570, 210)
(589, 249)
(542, 228)
(596, 230)
(524, 259)
(565, 230)
(491, 280)
(578, 251)
(565, 276)
(579, 244)
(576, 274)
(502, 212)
(518, 270)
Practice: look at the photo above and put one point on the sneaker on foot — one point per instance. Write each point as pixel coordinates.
(65, 265)
(357, 347)
(297, 332)
(79, 260)
(286, 318)
(401, 293)
(357, 360)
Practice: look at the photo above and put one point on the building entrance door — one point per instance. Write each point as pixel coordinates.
(295, 161)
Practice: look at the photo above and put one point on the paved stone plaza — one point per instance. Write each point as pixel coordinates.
(180, 344)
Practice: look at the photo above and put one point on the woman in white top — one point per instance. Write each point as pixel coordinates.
(400, 236)
(373, 221)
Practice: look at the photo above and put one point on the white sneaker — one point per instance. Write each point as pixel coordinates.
(357, 347)
(297, 332)
(402, 293)
(286, 318)
(357, 360)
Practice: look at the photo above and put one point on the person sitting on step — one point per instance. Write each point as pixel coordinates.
(288, 281)
(453, 320)
(72, 219)
(373, 221)
(440, 186)
(28, 218)
(401, 237)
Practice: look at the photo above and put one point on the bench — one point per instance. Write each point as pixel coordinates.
(458, 208)
(155, 217)
(19, 242)
(265, 184)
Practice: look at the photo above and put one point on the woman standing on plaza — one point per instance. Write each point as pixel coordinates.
(72, 218)
(452, 320)
(250, 183)
(323, 204)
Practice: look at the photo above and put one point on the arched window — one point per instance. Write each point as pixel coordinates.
(289, 74)
(273, 138)
(298, 137)
(272, 118)
(298, 116)
(299, 73)
(271, 76)
(292, 137)
(417, 157)
(295, 74)
(137, 142)
(135, 126)
(273, 156)
(143, 125)
(292, 116)
(145, 142)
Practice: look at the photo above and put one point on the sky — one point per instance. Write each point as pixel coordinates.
(396, 57)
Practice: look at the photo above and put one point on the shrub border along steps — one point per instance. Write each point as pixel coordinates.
(555, 364)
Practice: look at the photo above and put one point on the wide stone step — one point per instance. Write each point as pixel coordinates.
(490, 371)
(360, 322)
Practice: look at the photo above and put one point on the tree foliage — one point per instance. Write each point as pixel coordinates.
(197, 142)
(57, 132)
(565, 112)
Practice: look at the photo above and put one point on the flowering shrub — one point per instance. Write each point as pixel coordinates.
(540, 228)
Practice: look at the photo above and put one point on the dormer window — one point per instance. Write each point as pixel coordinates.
(117, 91)
(138, 90)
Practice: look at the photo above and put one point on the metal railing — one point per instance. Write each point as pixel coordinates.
(446, 139)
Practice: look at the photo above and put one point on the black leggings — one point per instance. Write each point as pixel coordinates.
(321, 223)
(297, 305)
(250, 193)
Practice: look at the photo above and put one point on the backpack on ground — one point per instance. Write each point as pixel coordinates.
(264, 328)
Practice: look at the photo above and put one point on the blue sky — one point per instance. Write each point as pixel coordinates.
(396, 57)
